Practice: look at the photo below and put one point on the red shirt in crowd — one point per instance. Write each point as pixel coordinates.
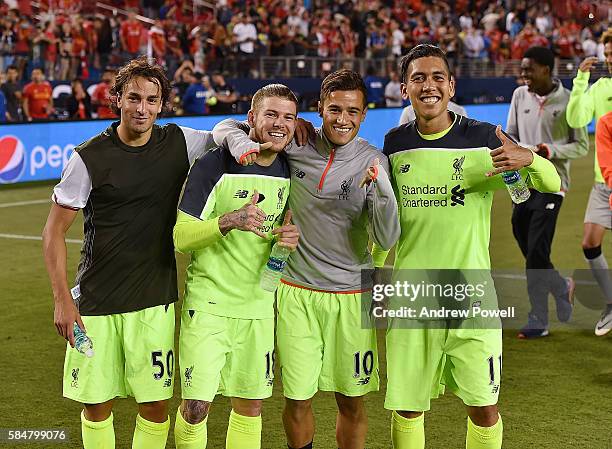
(38, 96)
(101, 98)
(131, 32)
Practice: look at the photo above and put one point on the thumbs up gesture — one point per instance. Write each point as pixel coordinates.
(509, 156)
(371, 173)
(288, 234)
(248, 218)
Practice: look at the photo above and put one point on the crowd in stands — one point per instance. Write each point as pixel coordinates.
(72, 39)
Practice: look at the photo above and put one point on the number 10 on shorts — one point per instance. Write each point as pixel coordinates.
(366, 363)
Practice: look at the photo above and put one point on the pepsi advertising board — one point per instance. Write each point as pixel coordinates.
(39, 151)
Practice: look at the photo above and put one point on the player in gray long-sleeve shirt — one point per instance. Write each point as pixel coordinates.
(321, 342)
(537, 119)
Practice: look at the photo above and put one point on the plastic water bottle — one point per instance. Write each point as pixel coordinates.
(82, 342)
(519, 192)
(271, 274)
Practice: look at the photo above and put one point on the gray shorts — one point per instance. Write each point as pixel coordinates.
(598, 209)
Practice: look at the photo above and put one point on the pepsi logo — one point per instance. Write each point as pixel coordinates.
(12, 159)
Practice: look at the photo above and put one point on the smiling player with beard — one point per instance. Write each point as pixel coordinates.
(227, 324)
(322, 342)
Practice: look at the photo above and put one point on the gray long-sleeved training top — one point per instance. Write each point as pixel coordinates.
(335, 217)
(533, 120)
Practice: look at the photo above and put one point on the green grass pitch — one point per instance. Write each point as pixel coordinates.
(556, 392)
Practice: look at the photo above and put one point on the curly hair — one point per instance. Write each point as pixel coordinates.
(139, 67)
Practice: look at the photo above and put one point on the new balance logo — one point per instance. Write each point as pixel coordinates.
(458, 196)
(404, 168)
(495, 389)
(168, 383)
(363, 381)
(299, 173)
(527, 111)
(241, 194)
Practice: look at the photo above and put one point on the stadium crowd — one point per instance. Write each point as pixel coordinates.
(70, 39)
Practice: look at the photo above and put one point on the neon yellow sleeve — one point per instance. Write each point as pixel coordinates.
(581, 107)
(191, 234)
(543, 175)
(379, 255)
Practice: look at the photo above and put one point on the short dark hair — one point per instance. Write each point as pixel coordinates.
(606, 36)
(11, 67)
(542, 56)
(422, 51)
(135, 68)
(273, 90)
(343, 79)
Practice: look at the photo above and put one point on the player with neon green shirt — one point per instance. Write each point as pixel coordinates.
(586, 103)
(227, 324)
(438, 166)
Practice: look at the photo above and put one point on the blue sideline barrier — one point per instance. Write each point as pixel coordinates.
(39, 151)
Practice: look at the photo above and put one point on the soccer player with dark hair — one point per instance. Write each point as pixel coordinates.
(227, 324)
(340, 197)
(536, 119)
(586, 103)
(438, 166)
(127, 180)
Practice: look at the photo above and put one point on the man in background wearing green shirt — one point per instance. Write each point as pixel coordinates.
(227, 324)
(585, 104)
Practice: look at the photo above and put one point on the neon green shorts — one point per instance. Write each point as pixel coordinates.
(422, 362)
(134, 356)
(322, 344)
(230, 356)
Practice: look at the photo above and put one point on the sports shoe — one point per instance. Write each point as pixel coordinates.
(604, 325)
(565, 304)
(526, 333)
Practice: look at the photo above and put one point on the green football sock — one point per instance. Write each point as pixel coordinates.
(190, 436)
(150, 435)
(407, 433)
(98, 435)
(243, 432)
(484, 437)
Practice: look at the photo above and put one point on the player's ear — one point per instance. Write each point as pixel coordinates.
(320, 108)
(451, 87)
(251, 118)
(404, 91)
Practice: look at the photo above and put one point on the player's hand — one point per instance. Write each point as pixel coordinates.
(249, 218)
(250, 156)
(588, 63)
(64, 317)
(288, 233)
(371, 173)
(304, 131)
(543, 150)
(510, 156)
